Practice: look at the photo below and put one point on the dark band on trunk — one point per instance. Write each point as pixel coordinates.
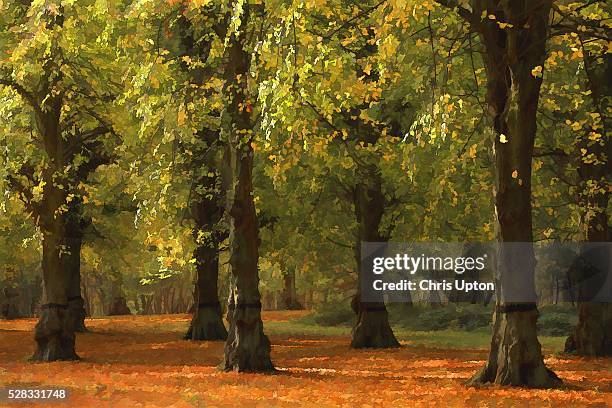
(53, 306)
(73, 298)
(516, 307)
(206, 305)
(254, 305)
(374, 308)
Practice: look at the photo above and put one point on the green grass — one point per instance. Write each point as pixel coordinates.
(296, 327)
(448, 327)
(444, 339)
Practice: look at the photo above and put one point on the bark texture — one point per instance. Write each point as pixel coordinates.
(208, 232)
(247, 347)
(54, 332)
(593, 334)
(207, 321)
(372, 329)
(512, 99)
(75, 225)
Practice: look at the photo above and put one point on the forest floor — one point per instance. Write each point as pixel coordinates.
(141, 361)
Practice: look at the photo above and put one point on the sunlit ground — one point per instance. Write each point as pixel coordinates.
(141, 361)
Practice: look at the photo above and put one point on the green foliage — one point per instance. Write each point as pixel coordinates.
(556, 320)
(335, 90)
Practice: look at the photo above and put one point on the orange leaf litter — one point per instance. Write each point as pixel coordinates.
(141, 361)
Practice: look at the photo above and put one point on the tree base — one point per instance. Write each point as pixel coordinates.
(9, 312)
(54, 336)
(516, 357)
(206, 325)
(540, 378)
(373, 331)
(295, 305)
(247, 348)
(119, 307)
(592, 337)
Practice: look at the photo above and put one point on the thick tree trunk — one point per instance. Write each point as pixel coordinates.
(54, 332)
(247, 348)
(207, 321)
(76, 303)
(513, 92)
(209, 233)
(593, 333)
(74, 241)
(372, 329)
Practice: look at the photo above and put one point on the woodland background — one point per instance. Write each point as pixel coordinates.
(160, 154)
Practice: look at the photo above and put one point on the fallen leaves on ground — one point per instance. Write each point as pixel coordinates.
(141, 361)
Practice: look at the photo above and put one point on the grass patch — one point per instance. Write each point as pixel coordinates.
(443, 339)
(463, 326)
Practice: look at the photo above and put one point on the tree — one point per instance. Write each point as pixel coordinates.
(247, 347)
(572, 153)
(69, 143)
(514, 35)
(206, 206)
(593, 333)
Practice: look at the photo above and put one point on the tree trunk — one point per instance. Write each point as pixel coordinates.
(207, 321)
(118, 305)
(206, 207)
(208, 232)
(247, 348)
(74, 240)
(54, 332)
(290, 301)
(231, 307)
(372, 329)
(9, 302)
(513, 92)
(593, 333)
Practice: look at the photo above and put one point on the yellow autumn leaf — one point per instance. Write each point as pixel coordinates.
(181, 116)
